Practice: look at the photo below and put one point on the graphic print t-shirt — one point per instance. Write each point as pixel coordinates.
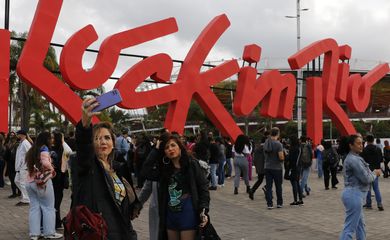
(177, 188)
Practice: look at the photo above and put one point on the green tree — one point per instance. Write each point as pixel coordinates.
(381, 129)
(23, 97)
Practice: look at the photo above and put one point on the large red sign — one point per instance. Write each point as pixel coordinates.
(274, 90)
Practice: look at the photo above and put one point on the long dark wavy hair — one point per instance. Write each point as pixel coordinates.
(33, 156)
(57, 145)
(184, 158)
(240, 143)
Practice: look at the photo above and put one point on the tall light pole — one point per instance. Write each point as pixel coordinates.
(300, 72)
(6, 26)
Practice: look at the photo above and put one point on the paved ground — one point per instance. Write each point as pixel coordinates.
(239, 218)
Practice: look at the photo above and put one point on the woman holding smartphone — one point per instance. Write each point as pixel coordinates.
(101, 180)
(357, 180)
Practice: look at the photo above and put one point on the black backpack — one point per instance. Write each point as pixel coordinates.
(331, 157)
(305, 157)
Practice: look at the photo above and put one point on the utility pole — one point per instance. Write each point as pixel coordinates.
(300, 71)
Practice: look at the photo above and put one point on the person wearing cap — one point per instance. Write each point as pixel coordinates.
(21, 167)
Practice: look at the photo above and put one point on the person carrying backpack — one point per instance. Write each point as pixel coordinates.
(305, 161)
(373, 156)
(330, 162)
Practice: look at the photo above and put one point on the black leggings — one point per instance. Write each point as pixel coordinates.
(259, 181)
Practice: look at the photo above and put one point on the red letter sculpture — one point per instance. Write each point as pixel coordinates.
(189, 83)
(276, 91)
(30, 66)
(358, 88)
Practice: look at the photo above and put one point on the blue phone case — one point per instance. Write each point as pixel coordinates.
(107, 100)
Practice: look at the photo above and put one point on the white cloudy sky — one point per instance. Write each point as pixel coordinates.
(362, 24)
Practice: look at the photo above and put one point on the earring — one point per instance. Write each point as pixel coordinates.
(165, 161)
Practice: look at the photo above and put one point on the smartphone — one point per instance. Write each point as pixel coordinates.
(107, 100)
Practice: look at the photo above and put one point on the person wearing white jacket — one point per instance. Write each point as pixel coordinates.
(21, 167)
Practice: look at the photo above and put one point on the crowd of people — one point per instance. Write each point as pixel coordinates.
(114, 175)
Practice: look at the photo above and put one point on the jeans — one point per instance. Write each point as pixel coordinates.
(297, 191)
(319, 166)
(221, 171)
(354, 219)
(20, 181)
(41, 203)
(305, 176)
(250, 159)
(2, 165)
(240, 165)
(229, 167)
(273, 175)
(378, 197)
(213, 173)
(15, 189)
(328, 170)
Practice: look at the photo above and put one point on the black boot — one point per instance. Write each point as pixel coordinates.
(235, 190)
(251, 194)
(248, 189)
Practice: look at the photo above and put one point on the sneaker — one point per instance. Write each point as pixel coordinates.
(327, 188)
(279, 206)
(334, 187)
(300, 203)
(380, 207)
(367, 207)
(54, 236)
(22, 204)
(270, 207)
(213, 188)
(294, 204)
(34, 237)
(12, 196)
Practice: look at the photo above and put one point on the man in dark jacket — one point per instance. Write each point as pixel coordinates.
(373, 156)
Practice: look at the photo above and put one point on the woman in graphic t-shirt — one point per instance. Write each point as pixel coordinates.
(183, 197)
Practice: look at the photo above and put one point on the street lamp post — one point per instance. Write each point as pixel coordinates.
(300, 72)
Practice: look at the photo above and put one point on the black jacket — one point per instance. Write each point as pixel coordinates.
(215, 154)
(199, 193)
(373, 156)
(93, 187)
(293, 162)
(198, 186)
(258, 160)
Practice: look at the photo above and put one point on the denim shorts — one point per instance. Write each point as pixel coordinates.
(183, 220)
